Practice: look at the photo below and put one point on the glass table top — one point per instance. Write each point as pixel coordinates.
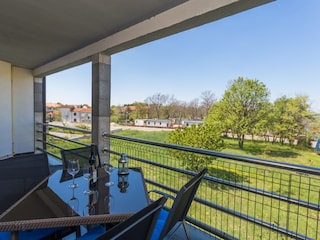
(54, 198)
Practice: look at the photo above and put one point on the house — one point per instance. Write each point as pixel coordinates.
(161, 123)
(188, 123)
(80, 115)
(140, 122)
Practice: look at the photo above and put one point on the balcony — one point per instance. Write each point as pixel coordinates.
(241, 197)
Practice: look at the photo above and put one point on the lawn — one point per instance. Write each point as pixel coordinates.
(258, 149)
(269, 180)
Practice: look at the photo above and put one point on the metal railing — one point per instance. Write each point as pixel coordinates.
(241, 197)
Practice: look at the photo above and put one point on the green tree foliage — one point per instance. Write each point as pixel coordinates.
(241, 108)
(201, 136)
(292, 119)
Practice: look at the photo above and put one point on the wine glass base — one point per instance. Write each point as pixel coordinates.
(88, 192)
(74, 185)
(109, 184)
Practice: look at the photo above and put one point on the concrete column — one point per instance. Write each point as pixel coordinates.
(39, 112)
(101, 90)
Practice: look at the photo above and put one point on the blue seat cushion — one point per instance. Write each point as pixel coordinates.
(93, 233)
(162, 218)
(31, 234)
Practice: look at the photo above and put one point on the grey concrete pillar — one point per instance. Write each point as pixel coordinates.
(101, 90)
(39, 113)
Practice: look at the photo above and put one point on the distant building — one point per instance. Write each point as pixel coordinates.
(81, 115)
(65, 114)
(140, 122)
(158, 123)
(188, 123)
(165, 123)
(69, 113)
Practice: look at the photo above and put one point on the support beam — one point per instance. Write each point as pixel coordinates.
(39, 112)
(101, 90)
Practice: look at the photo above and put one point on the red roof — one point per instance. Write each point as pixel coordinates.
(83, 110)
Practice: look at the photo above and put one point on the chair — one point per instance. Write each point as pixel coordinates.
(82, 154)
(21, 172)
(138, 226)
(172, 219)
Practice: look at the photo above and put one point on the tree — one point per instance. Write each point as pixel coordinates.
(293, 118)
(240, 108)
(141, 110)
(155, 104)
(208, 99)
(263, 127)
(175, 109)
(193, 109)
(201, 136)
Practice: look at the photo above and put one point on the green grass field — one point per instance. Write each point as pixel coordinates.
(258, 149)
(272, 180)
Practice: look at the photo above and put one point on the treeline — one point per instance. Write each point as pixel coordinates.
(162, 106)
(244, 109)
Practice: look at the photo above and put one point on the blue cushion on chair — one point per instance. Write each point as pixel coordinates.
(30, 234)
(162, 218)
(4, 235)
(93, 233)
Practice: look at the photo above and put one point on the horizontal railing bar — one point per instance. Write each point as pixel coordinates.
(231, 212)
(190, 173)
(273, 195)
(189, 219)
(257, 221)
(259, 161)
(49, 153)
(50, 144)
(69, 140)
(67, 128)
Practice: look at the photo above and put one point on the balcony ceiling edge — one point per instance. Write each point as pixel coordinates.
(185, 16)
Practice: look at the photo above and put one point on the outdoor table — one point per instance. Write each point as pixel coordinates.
(52, 202)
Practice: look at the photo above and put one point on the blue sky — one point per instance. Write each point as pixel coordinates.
(277, 44)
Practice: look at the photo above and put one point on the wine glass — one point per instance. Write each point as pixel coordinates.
(87, 174)
(73, 169)
(90, 209)
(109, 203)
(73, 204)
(108, 168)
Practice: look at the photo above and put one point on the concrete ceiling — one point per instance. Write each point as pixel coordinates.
(35, 34)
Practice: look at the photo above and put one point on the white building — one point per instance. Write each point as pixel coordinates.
(164, 123)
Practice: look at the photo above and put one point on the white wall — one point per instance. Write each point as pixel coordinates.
(16, 110)
(23, 110)
(5, 111)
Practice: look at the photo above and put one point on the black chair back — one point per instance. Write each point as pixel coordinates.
(182, 203)
(19, 174)
(82, 154)
(138, 226)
